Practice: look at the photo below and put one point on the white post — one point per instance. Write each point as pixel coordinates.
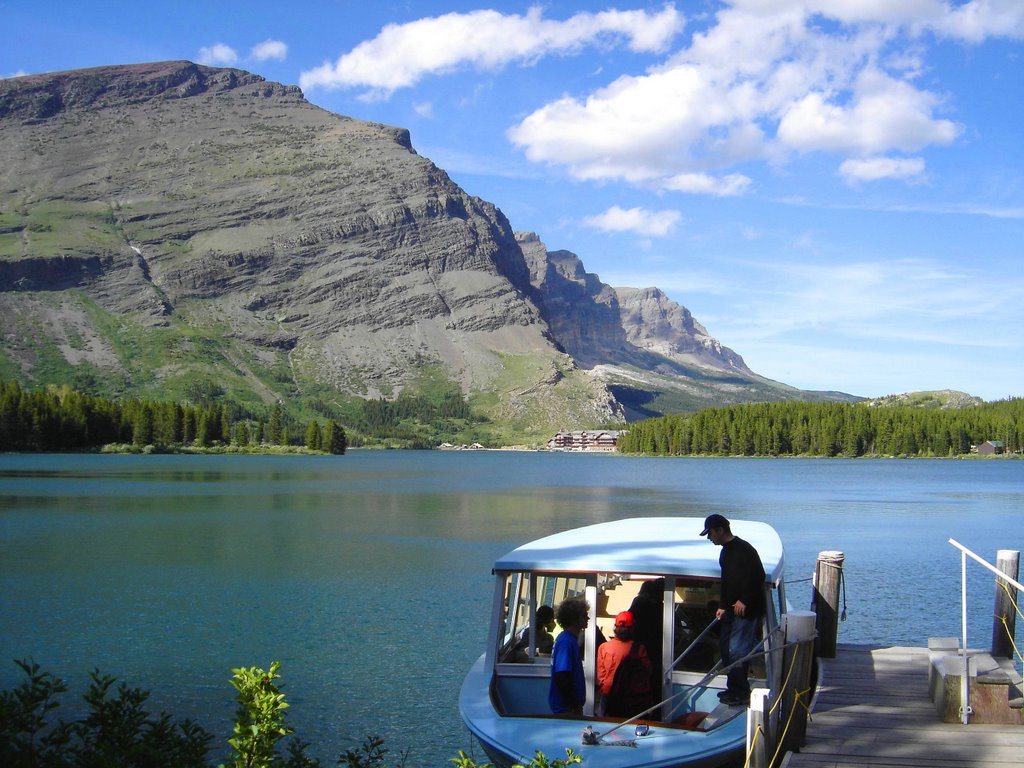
(757, 729)
(590, 648)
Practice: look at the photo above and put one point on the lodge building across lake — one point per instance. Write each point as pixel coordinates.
(605, 440)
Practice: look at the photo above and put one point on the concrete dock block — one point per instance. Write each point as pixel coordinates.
(992, 686)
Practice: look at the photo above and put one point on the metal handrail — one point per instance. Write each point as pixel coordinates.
(714, 672)
(1013, 582)
(965, 694)
(691, 646)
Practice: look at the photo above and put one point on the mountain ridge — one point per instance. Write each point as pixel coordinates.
(167, 221)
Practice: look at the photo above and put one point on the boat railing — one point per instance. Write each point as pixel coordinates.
(717, 669)
(965, 696)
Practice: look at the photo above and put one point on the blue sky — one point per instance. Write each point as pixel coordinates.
(834, 188)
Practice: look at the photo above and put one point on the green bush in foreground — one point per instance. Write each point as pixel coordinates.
(118, 731)
(539, 761)
(259, 722)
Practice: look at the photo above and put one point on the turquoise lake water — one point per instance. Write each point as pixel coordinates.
(368, 575)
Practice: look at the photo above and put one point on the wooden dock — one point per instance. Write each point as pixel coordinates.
(873, 709)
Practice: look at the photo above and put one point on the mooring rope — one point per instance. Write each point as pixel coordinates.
(1006, 624)
(797, 699)
(759, 731)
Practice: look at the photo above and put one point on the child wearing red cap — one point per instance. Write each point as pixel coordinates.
(610, 656)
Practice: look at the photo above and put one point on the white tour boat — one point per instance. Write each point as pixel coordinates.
(504, 699)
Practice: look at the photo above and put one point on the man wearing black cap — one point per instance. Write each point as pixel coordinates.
(742, 604)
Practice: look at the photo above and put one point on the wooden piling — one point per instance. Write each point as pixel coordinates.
(1008, 562)
(828, 579)
(797, 663)
(796, 698)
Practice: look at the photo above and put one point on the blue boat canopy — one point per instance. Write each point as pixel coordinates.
(660, 546)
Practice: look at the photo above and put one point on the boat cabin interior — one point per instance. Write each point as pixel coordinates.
(684, 606)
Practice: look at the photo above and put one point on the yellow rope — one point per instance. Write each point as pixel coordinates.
(1013, 601)
(754, 742)
(782, 737)
(798, 698)
(785, 683)
(1016, 650)
(1006, 624)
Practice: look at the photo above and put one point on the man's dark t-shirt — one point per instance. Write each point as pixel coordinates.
(742, 577)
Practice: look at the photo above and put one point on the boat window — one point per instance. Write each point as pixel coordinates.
(515, 594)
(520, 609)
(696, 601)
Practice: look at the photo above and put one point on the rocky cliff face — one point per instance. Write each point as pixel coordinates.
(653, 322)
(650, 351)
(169, 221)
(582, 312)
(601, 325)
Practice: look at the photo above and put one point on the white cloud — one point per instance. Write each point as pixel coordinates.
(846, 87)
(424, 109)
(637, 220)
(875, 168)
(972, 21)
(217, 54)
(702, 183)
(885, 114)
(402, 54)
(978, 20)
(269, 49)
(633, 129)
(19, 73)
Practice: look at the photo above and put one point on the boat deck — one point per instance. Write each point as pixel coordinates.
(873, 709)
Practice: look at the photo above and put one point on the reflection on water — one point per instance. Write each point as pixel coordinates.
(368, 575)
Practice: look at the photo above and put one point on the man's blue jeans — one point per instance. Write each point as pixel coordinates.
(738, 637)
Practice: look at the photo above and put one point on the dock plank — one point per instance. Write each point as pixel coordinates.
(872, 710)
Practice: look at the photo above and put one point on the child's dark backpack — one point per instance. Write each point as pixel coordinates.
(631, 691)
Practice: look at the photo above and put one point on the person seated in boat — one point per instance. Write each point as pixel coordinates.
(568, 691)
(629, 693)
(545, 623)
(520, 651)
(648, 620)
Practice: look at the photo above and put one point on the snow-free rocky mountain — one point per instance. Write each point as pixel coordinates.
(168, 223)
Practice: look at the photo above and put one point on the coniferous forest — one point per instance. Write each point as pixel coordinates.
(62, 419)
(830, 429)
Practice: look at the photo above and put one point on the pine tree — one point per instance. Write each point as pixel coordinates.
(313, 437)
(274, 426)
(335, 441)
